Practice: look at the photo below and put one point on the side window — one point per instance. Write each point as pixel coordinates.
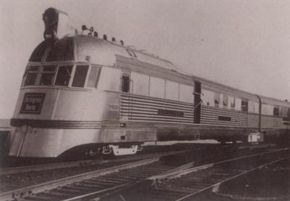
(216, 99)
(94, 76)
(232, 102)
(125, 83)
(276, 111)
(207, 97)
(238, 104)
(31, 75)
(157, 87)
(63, 75)
(171, 90)
(186, 93)
(47, 75)
(80, 76)
(245, 106)
(251, 107)
(284, 111)
(267, 109)
(140, 84)
(225, 101)
(110, 79)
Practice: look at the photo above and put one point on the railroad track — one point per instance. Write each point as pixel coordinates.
(162, 178)
(70, 164)
(18, 177)
(82, 163)
(89, 162)
(18, 194)
(188, 183)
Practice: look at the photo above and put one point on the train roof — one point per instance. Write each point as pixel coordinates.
(83, 48)
(247, 95)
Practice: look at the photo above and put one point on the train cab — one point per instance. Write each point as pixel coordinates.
(69, 93)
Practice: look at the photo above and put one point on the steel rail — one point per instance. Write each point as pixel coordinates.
(69, 164)
(216, 185)
(117, 186)
(170, 174)
(46, 186)
(181, 171)
(10, 195)
(185, 182)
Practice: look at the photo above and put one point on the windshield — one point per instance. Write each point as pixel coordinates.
(47, 75)
(31, 75)
(62, 75)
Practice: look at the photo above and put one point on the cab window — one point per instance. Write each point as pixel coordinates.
(94, 76)
(80, 76)
(31, 75)
(63, 75)
(47, 75)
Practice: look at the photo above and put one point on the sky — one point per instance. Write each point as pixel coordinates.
(241, 43)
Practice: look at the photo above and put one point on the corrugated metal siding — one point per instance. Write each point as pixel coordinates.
(142, 108)
(210, 115)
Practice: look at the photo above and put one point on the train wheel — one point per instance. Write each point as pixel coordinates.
(107, 150)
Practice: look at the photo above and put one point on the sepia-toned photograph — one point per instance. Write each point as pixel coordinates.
(144, 100)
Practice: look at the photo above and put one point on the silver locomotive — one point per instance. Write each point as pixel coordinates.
(86, 91)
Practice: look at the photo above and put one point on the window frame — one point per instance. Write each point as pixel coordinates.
(70, 77)
(42, 72)
(74, 74)
(232, 102)
(217, 99)
(97, 78)
(176, 95)
(244, 108)
(161, 90)
(125, 75)
(144, 81)
(28, 71)
(186, 97)
(225, 101)
(207, 97)
(276, 111)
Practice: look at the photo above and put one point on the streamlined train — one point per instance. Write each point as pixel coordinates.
(89, 93)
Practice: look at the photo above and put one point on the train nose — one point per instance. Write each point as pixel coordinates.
(17, 138)
(32, 103)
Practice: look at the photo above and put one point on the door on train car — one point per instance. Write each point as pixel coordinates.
(197, 102)
(126, 102)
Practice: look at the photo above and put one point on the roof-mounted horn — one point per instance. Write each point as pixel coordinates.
(50, 19)
(53, 29)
